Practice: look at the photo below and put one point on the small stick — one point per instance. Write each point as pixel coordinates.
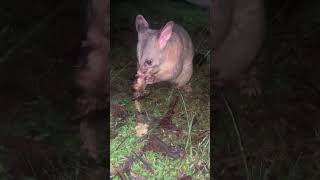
(145, 163)
(137, 105)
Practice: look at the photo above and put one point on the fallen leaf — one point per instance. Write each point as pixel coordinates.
(141, 129)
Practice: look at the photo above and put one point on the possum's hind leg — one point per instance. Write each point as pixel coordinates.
(183, 81)
(185, 87)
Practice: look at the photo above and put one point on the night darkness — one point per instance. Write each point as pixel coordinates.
(66, 98)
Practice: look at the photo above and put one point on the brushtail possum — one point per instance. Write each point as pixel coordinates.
(237, 34)
(163, 55)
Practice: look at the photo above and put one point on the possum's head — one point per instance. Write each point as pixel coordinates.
(151, 44)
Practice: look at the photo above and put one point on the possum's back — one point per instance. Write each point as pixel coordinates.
(187, 46)
(243, 30)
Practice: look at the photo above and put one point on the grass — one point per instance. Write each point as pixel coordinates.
(124, 144)
(192, 110)
(163, 166)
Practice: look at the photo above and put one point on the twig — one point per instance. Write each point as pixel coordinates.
(236, 128)
(165, 147)
(121, 143)
(145, 163)
(33, 31)
(137, 105)
(120, 174)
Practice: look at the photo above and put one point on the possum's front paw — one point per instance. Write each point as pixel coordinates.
(139, 86)
(149, 79)
(187, 88)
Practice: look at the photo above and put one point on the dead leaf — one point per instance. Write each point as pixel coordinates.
(141, 129)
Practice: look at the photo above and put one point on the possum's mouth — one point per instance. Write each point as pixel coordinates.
(143, 76)
(143, 72)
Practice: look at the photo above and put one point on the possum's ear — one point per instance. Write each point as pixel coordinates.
(141, 24)
(165, 34)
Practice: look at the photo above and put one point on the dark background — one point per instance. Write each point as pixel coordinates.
(279, 130)
(39, 43)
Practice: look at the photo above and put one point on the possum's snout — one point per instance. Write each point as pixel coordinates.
(143, 70)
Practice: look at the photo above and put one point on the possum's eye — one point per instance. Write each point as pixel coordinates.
(148, 62)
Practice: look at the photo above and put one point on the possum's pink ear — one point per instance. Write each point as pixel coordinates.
(165, 34)
(141, 24)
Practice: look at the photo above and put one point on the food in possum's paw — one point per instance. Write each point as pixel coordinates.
(140, 85)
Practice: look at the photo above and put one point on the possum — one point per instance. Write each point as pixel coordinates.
(163, 55)
(237, 34)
